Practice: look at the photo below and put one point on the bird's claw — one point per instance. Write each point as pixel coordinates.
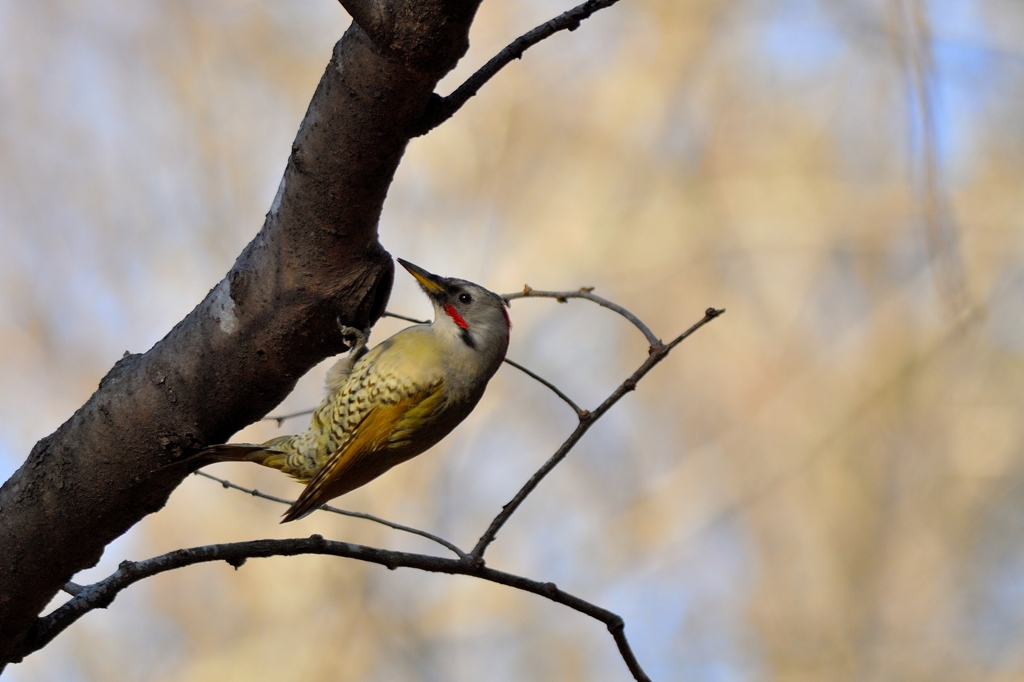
(355, 339)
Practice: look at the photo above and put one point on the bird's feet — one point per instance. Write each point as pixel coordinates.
(355, 339)
(340, 371)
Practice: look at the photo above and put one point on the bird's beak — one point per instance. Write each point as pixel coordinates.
(432, 284)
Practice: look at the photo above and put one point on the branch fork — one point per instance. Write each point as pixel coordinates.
(367, 106)
(102, 594)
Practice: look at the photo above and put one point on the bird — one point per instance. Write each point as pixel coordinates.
(389, 404)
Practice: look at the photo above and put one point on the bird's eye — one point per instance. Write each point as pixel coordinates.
(465, 298)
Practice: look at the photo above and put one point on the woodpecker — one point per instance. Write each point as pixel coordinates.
(389, 404)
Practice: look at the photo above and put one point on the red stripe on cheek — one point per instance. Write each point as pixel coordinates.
(454, 314)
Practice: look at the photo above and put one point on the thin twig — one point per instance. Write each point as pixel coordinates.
(579, 411)
(344, 512)
(404, 317)
(280, 419)
(588, 294)
(102, 594)
(658, 353)
(443, 108)
(709, 314)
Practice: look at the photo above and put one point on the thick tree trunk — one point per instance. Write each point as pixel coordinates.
(241, 350)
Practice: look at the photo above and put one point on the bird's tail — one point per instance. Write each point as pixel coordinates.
(265, 454)
(234, 452)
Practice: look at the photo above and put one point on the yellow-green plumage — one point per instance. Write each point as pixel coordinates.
(380, 413)
(394, 402)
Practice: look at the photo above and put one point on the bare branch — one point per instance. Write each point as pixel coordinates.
(709, 314)
(579, 412)
(530, 373)
(74, 589)
(404, 317)
(238, 352)
(102, 594)
(335, 510)
(443, 108)
(658, 353)
(588, 294)
(369, 16)
(280, 419)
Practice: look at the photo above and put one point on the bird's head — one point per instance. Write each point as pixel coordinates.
(477, 317)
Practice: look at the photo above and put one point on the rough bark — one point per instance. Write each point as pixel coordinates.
(239, 352)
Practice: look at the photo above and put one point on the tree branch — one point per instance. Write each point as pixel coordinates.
(443, 108)
(280, 419)
(369, 16)
(557, 391)
(316, 260)
(343, 512)
(100, 595)
(588, 294)
(658, 351)
(388, 313)
(587, 419)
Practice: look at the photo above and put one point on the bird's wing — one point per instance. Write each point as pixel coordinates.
(361, 459)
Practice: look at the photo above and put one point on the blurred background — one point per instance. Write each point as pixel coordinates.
(825, 484)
